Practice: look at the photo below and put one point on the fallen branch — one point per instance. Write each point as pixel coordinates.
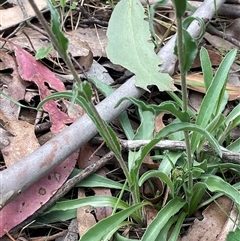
(227, 156)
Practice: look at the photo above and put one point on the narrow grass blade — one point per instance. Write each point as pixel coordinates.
(162, 218)
(106, 225)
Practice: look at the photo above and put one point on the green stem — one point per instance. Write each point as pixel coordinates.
(185, 101)
(69, 64)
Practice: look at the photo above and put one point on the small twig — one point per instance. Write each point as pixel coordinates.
(50, 237)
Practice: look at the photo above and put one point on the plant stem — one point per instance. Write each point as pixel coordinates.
(69, 64)
(184, 99)
(56, 44)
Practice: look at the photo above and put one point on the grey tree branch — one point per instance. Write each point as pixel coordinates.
(34, 166)
(227, 155)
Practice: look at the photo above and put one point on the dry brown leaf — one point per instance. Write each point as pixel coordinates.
(234, 29)
(151, 213)
(196, 82)
(214, 57)
(219, 43)
(159, 125)
(96, 39)
(16, 85)
(13, 16)
(84, 161)
(23, 142)
(85, 219)
(213, 224)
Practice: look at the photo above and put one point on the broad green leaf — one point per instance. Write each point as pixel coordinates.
(180, 7)
(56, 29)
(210, 100)
(234, 235)
(217, 184)
(162, 176)
(128, 45)
(155, 227)
(206, 67)
(106, 225)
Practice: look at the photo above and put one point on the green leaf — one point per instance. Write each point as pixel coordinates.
(233, 235)
(190, 50)
(217, 184)
(180, 7)
(168, 162)
(162, 176)
(212, 96)
(55, 217)
(197, 193)
(43, 52)
(96, 181)
(177, 227)
(163, 235)
(235, 113)
(118, 237)
(56, 29)
(171, 128)
(95, 201)
(162, 218)
(106, 225)
(206, 67)
(128, 45)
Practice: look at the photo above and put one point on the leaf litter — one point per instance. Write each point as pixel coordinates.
(30, 71)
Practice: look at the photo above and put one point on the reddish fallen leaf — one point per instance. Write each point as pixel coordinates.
(32, 70)
(34, 197)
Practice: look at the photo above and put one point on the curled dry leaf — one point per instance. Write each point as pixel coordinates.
(196, 82)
